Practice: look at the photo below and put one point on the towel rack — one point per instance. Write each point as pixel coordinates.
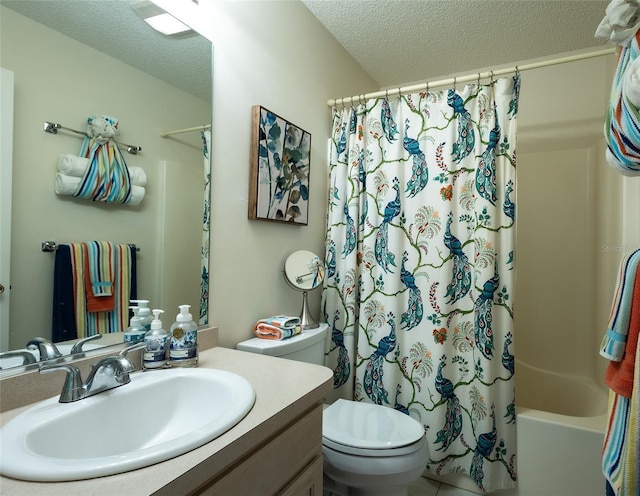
(47, 246)
(166, 134)
(52, 128)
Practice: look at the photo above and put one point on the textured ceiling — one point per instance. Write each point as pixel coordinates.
(398, 42)
(112, 27)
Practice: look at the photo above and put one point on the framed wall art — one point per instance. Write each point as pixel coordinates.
(280, 165)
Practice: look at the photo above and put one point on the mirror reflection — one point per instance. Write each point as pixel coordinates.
(59, 79)
(304, 271)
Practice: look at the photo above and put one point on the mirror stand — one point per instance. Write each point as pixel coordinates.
(304, 271)
(306, 320)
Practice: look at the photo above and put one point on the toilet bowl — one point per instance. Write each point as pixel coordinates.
(367, 449)
(370, 449)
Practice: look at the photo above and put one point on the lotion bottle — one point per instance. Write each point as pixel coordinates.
(135, 332)
(155, 340)
(144, 313)
(183, 340)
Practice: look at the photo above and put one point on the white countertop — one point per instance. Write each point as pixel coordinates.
(284, 390)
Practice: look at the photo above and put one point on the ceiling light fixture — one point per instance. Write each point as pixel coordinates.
(160, 20)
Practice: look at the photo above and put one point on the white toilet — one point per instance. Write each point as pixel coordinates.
(368, 449)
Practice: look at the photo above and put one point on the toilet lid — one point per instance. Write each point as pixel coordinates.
(368, 426)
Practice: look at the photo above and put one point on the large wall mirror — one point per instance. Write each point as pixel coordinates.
(71, 59)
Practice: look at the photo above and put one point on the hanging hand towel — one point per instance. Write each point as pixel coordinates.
(75, 166)
(278, 327)
(613, 343)
(619, 375)
(125, 289)
(98, 276)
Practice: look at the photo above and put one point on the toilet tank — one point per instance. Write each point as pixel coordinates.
(306, 347)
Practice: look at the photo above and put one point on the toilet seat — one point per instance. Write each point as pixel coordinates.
(366, 429)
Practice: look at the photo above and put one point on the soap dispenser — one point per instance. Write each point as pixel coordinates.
(135, 332)
(144, 313)
(183, 340)
(155, 340)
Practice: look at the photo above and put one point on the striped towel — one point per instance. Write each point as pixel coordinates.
(622, 440)
(622, 123)
(98, 273)
(278, 327)
(102, 322)
(107, 178)
(619, 376)
(613, 343)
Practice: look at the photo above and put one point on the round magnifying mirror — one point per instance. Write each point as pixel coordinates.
(304, 271)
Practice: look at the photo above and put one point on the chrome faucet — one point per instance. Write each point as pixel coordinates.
(27, 357)
(47, 349)
(110, 372)
(77, 347)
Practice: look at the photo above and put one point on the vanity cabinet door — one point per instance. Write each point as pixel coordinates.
(288, 463)
(308, 482)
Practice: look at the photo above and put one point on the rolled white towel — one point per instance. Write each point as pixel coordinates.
(137, 175)
(67, 185)
(72, 165)
(137, 195)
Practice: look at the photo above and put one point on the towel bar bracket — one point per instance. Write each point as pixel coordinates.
(48, 246)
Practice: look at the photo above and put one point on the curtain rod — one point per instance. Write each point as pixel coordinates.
(470, 77)
(166, 134)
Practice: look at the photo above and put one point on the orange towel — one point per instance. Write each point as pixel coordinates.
(619, 375)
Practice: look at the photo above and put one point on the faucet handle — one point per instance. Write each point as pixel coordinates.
(137, 346)
(77, 347)
(73, 387)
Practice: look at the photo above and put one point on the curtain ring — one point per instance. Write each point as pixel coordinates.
(455, 79)
(427, 88)
(399, 92)
(478, 79)
(351, 101)
(492, 81)
(386, 94)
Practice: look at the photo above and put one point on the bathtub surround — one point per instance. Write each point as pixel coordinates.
(420, 254)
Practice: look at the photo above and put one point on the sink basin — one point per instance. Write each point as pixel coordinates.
(158, 415)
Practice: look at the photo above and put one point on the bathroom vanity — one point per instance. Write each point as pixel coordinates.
(275, 449)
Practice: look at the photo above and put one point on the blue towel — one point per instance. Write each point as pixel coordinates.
(614, 341)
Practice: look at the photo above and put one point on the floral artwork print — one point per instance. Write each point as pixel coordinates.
(420, 269)
(280, 169)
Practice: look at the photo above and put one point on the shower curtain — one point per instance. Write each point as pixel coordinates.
(420, 268)
(206, 224)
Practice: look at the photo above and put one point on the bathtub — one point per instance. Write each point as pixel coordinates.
(560, 429)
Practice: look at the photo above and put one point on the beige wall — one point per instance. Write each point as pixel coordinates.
(58, 79)
(273, 54)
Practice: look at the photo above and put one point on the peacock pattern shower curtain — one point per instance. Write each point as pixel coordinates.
(206, 226)
(420, 268)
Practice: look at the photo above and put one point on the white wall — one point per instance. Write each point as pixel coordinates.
(58, 79)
